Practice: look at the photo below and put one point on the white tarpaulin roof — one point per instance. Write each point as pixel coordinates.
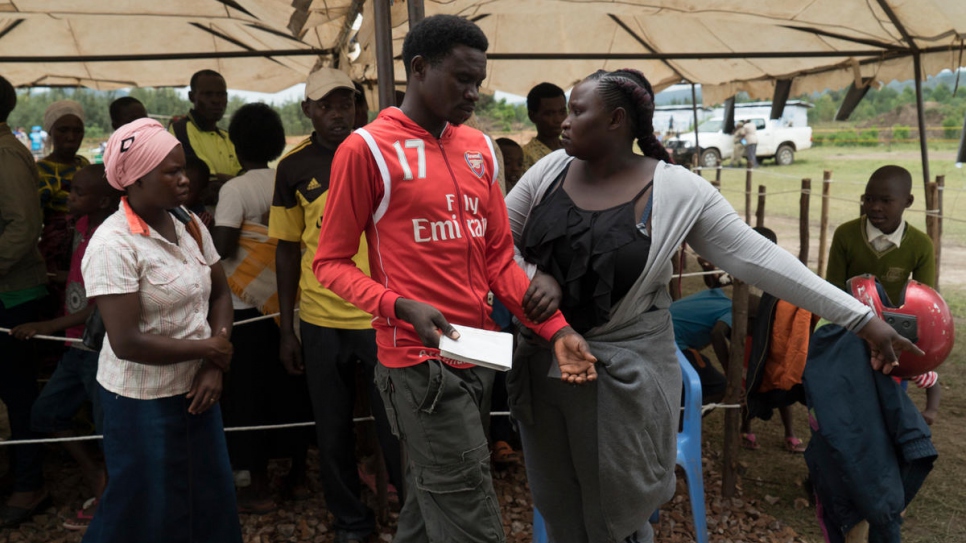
(46, 31)
(873, 38)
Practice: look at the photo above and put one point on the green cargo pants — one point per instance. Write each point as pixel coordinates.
(438, 414)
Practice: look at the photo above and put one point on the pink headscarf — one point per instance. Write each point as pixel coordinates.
(134, 150)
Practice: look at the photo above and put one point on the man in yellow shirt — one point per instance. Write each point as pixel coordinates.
(198, 131)
(334, 333)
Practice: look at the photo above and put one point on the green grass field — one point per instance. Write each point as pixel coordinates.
(851, 167)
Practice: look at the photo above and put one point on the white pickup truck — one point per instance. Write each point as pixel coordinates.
(774, 141)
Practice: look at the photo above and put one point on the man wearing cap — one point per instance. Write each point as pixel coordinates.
(198, 131)
(334, 333)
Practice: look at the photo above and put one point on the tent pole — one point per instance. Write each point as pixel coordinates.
(694, 110)
(384, 62)
(417, 11)
(921, 118)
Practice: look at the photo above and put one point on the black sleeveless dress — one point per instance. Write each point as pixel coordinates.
(595, 256)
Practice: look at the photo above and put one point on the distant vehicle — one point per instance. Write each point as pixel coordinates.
(774, 141)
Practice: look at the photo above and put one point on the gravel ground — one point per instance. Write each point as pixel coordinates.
(729, 521)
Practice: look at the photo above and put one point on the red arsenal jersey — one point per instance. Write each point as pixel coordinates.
(437, 230)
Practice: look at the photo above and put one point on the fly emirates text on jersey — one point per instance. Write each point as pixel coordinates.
(426, 230)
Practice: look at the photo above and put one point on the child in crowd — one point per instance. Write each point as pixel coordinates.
(73, 383)
(64, 120)
(776, 359)
(705, 318)
(930, 382)
(257, 390)
(702, 319)
(198, 196)
(880, 242)
(512, 161)
(126, 109)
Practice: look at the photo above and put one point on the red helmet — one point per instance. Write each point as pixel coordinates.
(921, 316)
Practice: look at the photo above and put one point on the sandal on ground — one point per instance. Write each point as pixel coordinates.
(794, 445)
(84, 516)
(503, 453)
(750, 441)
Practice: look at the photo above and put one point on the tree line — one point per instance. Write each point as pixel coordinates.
(166, 102)
(951, 105)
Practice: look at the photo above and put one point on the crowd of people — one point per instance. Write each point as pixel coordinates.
(369, 240)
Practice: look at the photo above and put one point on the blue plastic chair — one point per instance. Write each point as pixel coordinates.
(689, 457)
(689, 447)
(539, 528)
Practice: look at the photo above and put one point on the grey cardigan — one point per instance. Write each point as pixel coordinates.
(687, 208)
(639, 380)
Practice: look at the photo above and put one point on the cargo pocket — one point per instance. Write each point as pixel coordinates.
(460, 495)
(384, 385)
(434, 388)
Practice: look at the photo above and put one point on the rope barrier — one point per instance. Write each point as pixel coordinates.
(79, 340)
(256, 319)
(712, 406)
(4, 443)
(699, 274)
(799, 191)
(756, 170)
(49, 338)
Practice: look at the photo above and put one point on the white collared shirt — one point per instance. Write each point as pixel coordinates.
(881, 241)
(173, 283)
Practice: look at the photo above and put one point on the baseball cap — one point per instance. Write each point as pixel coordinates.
(325, 80)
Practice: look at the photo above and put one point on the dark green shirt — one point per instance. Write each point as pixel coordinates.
(853, 255)
(21, 266)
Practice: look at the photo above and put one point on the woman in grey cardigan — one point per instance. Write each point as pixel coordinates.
(596, 225)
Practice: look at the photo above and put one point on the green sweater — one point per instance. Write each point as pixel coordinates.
(852, 255)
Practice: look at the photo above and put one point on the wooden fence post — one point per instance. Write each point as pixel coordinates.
(823, 228)
(760, 212)
(941, 183)
(748, 195)
(803, 203)
(733, 392)
(717, 174)
(933, 212)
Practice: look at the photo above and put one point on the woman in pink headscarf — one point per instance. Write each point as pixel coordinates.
(166, 306)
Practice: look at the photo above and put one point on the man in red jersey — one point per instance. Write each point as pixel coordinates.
(423, 190)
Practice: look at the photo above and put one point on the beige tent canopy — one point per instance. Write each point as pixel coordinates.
(258, 45)
(267, 45)
(726, 45)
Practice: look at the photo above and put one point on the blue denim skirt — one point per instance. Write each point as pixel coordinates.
(169, 478)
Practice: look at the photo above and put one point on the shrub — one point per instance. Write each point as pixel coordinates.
(869, 138)
(950, 128)
(900, 133)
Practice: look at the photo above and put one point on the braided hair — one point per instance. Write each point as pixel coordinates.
(629, 89)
